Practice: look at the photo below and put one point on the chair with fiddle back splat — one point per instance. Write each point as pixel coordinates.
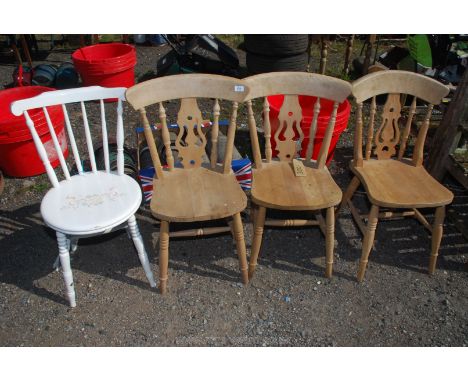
(391, 180)
(190, 191)
(275, 184)
(89, 203)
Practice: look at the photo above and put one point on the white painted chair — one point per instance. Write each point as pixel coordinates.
(89, 203)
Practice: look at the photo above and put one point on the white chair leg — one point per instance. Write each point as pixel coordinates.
(56, 264)
(66, 268)
(72, 245)
(128, 232)
(140, 247)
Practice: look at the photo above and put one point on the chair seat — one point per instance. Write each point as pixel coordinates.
(91, 203)
(395, 184)
(276, 186)
(196, 195)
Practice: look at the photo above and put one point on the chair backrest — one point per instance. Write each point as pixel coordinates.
(388, 135)
(66, 97)
(293, 84)
(191, 140)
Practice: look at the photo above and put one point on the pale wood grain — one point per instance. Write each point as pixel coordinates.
(186, 86)
(368, 240)
(196, 195)
(399, 81)
(391, 183)
(276, 186)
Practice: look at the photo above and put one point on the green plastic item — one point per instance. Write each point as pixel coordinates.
(420, 49)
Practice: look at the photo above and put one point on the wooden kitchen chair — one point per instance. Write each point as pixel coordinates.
(89, 203)
(275, 184)
(189, 190)
(391, 179)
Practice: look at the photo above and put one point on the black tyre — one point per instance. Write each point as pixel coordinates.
(278, 45)
(264, 64)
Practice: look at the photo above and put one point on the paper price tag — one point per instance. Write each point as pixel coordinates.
(298, 167)
(239, 88)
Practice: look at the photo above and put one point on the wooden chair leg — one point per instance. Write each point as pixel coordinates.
(437, 230)
(240, 245)
(368, 240)
(353, 186)
(66, 268)
(140, 247)
(257, 238)
(163, 255)
(329, 241)
(253, 212)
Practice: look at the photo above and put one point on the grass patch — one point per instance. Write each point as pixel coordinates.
(233, 40)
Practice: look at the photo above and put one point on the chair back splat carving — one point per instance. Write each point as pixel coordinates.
(286, 131)
(191, 139)
(390, 138)
(64, 98)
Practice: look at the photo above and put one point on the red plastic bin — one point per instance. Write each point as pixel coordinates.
(108, 65)
(307, 105)
(18, 154)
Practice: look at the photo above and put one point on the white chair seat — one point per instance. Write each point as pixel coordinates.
(91, 203)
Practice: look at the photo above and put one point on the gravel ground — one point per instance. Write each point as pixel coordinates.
(288, 303)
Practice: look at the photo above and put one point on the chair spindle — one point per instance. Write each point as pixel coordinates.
(57, 147)
(358, 137)
(406, 131)
(42, 152)
(267, 130)
(151, 145)
(230, 139)
(71, 136)
(419, 147)
(214, 134)
(313, 131)
(105, 143)
(370, 129)
(323, 154)
(253, 136)
(89, 142)
(120, 138)
(166, 136)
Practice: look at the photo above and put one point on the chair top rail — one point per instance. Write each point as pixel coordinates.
(399, 81)
(186, 86)
(56, 97)
(297, 83)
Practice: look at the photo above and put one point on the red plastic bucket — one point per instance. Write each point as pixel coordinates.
(108, 65)
(307, 105)
(18, 155)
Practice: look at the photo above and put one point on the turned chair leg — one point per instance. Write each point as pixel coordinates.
(437, 230)
(163, 255)
(72, 245)
(353, 186)
(253, 212)
(140, 247)
(368, 240)
(64, 255)
(259, 223)
(240, 245)
(329, 241)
